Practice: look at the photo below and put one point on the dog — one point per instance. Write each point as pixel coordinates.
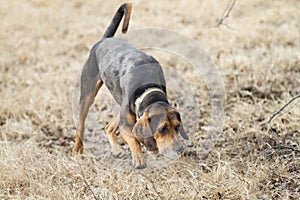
(137, 83)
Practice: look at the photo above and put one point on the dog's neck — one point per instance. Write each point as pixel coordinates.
(148, 97)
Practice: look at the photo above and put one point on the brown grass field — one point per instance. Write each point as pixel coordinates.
(43, 46)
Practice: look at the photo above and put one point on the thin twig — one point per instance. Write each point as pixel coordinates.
(225, 15)
(287, 147)
(283, 107)
(153, 185)
(85, 182)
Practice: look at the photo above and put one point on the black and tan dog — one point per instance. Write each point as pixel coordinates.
(137, 83)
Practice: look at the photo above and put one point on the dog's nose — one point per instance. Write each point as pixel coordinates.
(151, 147)
(150, 144)
(179, 149)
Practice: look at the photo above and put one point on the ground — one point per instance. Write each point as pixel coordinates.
(43, 46)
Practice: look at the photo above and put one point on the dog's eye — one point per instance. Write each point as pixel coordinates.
(177, 128)
(164, 130)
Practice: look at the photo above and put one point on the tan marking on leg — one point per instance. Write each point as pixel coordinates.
(84, 109)
(98, 86)
(78, 146)
(130, 118)
(138, 160)
(110, 130)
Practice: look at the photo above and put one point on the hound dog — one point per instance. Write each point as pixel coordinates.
(137, 83)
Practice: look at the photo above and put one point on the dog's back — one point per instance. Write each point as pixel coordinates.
(119, 64)
(122, 65)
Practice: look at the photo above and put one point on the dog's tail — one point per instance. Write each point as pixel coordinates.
(124, 10)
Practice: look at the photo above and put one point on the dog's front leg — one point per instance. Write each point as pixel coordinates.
(138, 160)
(111, 130)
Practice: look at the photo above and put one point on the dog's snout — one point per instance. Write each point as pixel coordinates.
(150, 144)
(151, 147)
(179, 149)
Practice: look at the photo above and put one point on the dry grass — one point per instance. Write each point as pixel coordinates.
(45, 43)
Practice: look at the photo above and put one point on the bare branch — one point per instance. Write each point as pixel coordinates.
(283, 107)
(153, 185)
(85, 182)
(288, 147)
(225, 15)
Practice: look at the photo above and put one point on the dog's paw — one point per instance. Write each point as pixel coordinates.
(138, 161)
(77, 149)
(118, 152)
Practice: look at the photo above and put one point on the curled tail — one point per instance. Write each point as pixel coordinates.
(124, 10)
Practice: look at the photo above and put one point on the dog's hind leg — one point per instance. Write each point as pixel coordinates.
(90, 84)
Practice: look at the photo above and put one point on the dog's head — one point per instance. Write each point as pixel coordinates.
(159, 128)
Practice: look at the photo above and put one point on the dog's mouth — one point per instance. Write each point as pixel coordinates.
(171, 153)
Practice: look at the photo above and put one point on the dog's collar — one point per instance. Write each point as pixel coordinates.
(140, 99)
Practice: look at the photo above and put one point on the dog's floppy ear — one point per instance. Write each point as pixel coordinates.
(142, 128)
(182, 132)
